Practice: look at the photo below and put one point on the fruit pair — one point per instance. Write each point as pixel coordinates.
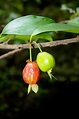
(31, 73)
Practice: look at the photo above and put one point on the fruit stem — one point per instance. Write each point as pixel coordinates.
(38, 46)
(30, 52)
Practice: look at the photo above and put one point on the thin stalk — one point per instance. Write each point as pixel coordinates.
(37, 46)
(30, 52)
(31, 48)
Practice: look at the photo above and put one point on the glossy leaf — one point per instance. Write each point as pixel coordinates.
(56, 27)
(32, 27)
(26, 25)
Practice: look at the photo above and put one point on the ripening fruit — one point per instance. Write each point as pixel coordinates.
(31, 75)
(45, 61)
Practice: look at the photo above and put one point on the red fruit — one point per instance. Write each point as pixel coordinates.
(31, 73)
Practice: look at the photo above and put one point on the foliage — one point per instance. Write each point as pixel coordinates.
(31, 26)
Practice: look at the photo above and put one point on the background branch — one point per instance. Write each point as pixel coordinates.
(9, 53)
(19, 47)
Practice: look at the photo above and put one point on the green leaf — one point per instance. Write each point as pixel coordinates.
(26, 25)
(56, 27)
(4, 37)
(74, 22)
(32, 27)
(42, 36)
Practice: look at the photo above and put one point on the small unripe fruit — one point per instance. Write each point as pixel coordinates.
(45, 61)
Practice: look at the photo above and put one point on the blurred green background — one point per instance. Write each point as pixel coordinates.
(14, 101)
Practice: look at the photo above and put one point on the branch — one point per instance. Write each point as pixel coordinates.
(45, 44)
(10, 53)
(60, 42)
(19, 47)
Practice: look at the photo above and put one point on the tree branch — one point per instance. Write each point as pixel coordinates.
(9, 53)
(19, 47)
(45, 44)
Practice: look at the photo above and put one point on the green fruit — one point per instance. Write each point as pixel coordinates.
(45, 61)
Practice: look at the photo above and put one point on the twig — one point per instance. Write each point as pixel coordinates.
(60, 42)
(19, 47)
(10, 53)
(45, 44)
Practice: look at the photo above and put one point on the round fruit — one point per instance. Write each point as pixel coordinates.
(31, 73)
(45, 61)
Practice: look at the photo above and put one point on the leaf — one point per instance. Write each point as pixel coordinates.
(32, 27)
(26, 25)
(56, 27)
(42, 36)
(4, 37)
(74, 21)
